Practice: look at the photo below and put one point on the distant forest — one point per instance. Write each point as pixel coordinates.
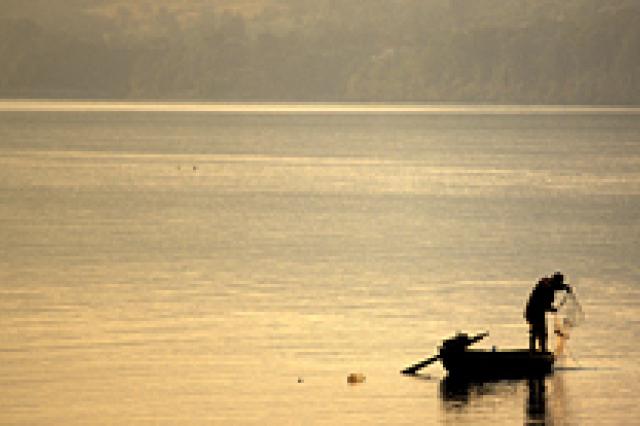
(475, 51)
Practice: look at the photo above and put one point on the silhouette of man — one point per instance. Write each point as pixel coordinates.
(540, 302)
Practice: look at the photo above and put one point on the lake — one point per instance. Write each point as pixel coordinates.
(186, 264)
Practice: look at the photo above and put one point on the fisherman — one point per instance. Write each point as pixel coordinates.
(540, 302)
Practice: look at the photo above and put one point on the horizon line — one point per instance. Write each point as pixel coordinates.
(65, 105)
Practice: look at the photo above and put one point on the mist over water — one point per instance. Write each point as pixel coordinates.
(190, 266)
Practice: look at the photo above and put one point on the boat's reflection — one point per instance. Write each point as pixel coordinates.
(462, 397)
(537, 409)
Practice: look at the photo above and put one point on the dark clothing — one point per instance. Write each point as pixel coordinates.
(541, 301)
(538, 332)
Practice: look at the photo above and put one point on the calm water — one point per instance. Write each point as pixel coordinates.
(188, 267)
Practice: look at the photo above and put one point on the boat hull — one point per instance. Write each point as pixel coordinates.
(504, 364)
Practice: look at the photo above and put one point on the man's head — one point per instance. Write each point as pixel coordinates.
(558, 278)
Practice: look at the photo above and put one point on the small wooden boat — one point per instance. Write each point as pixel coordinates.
(498, 364)
(464, 363)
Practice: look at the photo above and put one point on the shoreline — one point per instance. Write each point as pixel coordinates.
(48, 105)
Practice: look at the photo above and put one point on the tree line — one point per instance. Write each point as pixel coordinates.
(543, 52)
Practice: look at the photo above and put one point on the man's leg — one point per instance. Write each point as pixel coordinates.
(538, 333)
(543, 336)
(532, 338)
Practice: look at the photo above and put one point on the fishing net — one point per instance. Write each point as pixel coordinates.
(568, 316)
